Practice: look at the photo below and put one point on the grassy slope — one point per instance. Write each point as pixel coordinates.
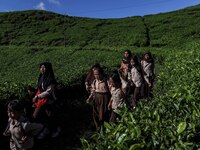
(48, 29)
(31, 37)
(28, 38)
(174, 28)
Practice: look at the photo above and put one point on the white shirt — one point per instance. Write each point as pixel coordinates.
(117, 99)
(136, 77)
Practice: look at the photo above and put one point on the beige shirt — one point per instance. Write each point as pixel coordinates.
(124, 85)
(18, 128)
(136, 77)
(147, 67)
(100, 86)
(117, 99)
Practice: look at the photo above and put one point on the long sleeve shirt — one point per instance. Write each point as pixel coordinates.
(100, 86)
(136, 77)
(20, 129)
(117, 99)
(147, 67)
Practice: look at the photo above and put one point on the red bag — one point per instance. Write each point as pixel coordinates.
(40, 102)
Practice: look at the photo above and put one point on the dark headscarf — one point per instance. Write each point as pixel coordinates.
(151, 60)
(47, 78)
(127, 59)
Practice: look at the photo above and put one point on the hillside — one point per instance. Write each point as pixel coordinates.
(169, 121)
(30, 37)
(42, 28)
(33, 28)
(174, 28)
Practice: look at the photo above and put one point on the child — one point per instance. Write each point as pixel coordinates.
(125, 63)
(89, 80)
(100, 91)
(43, 102)
(117, 97)
(147, 64)
(137, 79)
(20, 130)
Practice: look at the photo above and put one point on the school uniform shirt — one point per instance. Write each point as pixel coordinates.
(21, 128)
(100, 86)
(124, 85)
(117, 99)
(147, 67)
(136, 77)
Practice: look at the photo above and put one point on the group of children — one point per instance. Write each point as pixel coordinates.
(125, 86)
(132, 81)
(23, 128)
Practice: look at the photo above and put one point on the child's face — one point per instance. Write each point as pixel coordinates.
(12, 114)
(126, 54)
(111, 82)
(97, 75)
(132, 62)
(42, 69)
(146, 56)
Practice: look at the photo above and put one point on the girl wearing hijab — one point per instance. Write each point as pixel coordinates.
(44, 98)
(147, 64)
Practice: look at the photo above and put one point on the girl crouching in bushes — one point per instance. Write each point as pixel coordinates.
(19, 129)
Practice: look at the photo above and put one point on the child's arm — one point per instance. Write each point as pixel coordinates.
(7, 131)
(90, 98)
(32, 128)
(110, 105)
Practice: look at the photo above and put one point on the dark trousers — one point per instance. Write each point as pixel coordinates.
(100, 108)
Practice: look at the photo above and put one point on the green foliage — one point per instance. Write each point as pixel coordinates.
(174, 28)
(171, 119)
(41, 28)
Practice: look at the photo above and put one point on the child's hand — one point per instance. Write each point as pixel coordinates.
(87, 101)
(149, 84)
(24, 138)
(35, 99)
(6, 134)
